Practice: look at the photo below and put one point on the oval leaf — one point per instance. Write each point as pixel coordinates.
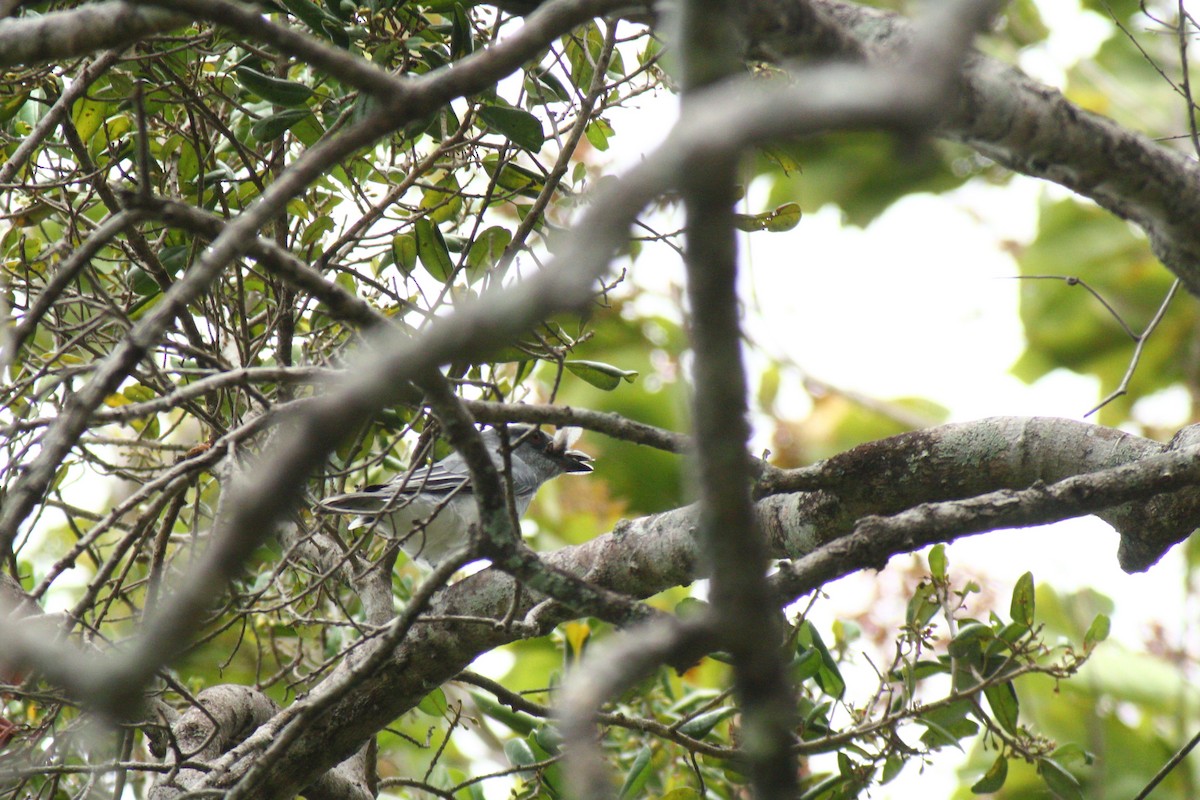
(1022, 600)
(279, 91)
(993, 779)
(88, 115)
(521, 127)
(1002, 698)
(937, 562)
(404, 252)
(701, 725)
(433, 704)
(602, 376)
(431, 248)
(519, 753)
(141, 282)
(1097, 632)
(783, 218)
(1058, 780)
(635, 779)
(486, 251)
(270, 128)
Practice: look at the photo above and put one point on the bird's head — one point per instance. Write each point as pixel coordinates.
(556, 448)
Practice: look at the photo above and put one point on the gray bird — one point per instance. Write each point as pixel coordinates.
(430, 509)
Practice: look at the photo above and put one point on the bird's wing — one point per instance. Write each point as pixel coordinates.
(437, 482)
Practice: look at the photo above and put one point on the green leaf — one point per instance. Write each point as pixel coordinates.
(544, 87)
(783, 218)
(993, 779)
(433, 704)
(1062, 783)
(431, 248)
(521, 127)
(681, 793)
(404, 252)
(486, 251)
(829, 676)
(1072, 753)
(937, 562)
(691, 608)
(581, 59)
(146, 427)
(947, 724)
(598, 132)
(462, 35)
(279, 91)
(517, 721)
(549, 739)
(271, 128)
(702, 724)
(1022, 600)
(308, 130)
(602, 376)
(138, 393)
(845, 632)
(88, 115)
(891, 768)
(513, 178)
(969, 639)
(319, 227)
(922, 606)
(31, 215)
(806, 665)
(9, 106)
(141, 283)
(1002, 698)
(443, 200)
(519, 753)
(318, 21)
(1097, 632)
(636, 777)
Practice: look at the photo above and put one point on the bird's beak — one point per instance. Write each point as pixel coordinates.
(572, 460)
(577, 461)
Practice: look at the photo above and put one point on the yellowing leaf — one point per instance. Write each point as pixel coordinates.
(443, 200)
(577, 634)
(783, 218)
(88, 115)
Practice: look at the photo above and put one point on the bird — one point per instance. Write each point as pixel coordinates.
(431, 509)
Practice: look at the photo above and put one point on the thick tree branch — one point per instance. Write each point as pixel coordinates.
(69, 34)
(744, 619)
